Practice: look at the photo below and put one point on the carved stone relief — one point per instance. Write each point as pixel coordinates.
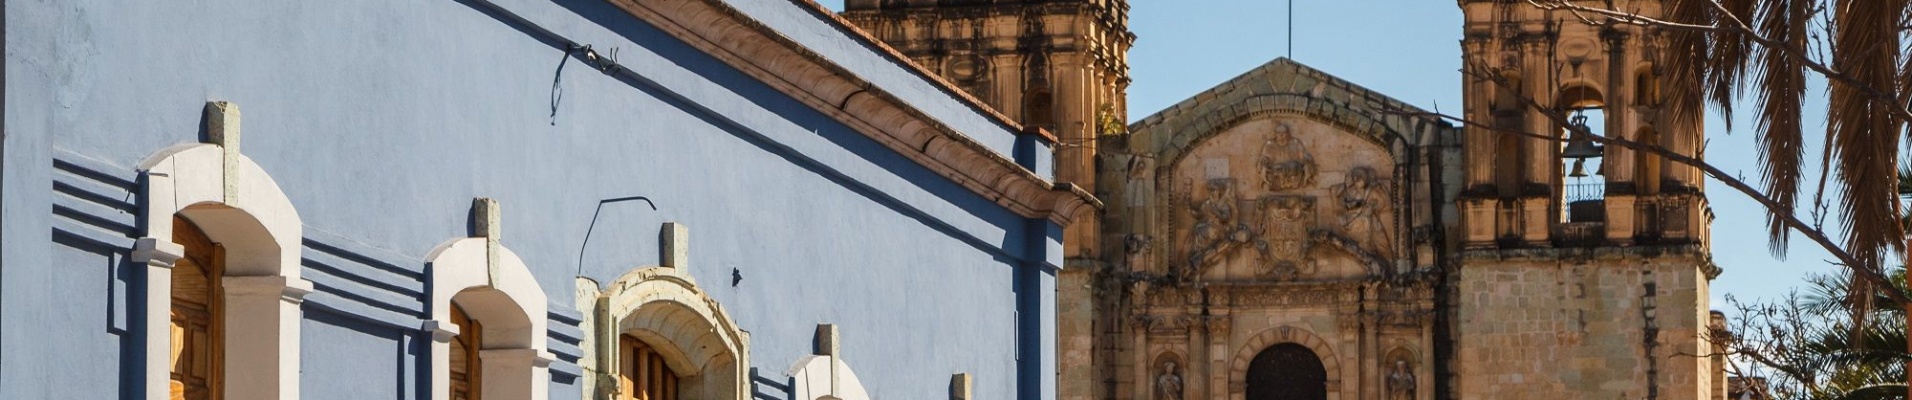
(1286, 164)
(1290, 218)
(1270, 226)
(1220, 230)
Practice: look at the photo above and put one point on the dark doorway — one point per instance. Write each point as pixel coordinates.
(1287, 371)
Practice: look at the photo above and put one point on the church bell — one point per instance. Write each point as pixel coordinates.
(1579, 146)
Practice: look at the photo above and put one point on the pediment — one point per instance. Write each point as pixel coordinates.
(1284, 173)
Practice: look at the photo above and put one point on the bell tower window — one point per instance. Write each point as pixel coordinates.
(1582, 183)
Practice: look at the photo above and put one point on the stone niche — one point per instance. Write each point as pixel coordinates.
(1284, 199)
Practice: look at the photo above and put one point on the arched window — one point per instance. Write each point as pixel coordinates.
(662, 338)
(197, 352)
(487, 319)
(221, 244)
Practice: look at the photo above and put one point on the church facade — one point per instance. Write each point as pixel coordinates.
(511, 200)
(1291, 235)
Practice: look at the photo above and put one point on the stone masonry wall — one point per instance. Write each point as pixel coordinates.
(1573, 324)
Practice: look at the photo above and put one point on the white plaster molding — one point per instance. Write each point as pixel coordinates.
(240, 207)
(512, 309)
(818, 376)
(157, 252)
(441, 331)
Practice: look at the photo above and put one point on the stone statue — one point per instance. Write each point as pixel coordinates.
(1285, 164)
(1135, 248)
(1401, 382)
(1362, 200)
(1219, 230)
(1168, 386)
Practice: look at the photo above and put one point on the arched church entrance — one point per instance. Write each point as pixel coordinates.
(1287, 371)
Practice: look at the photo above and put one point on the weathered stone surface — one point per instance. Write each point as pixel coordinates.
(1289, 206)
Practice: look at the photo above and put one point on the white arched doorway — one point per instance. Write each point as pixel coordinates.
(239, 207)
(491, 285)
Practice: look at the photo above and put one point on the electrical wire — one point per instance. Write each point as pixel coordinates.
(594, 218)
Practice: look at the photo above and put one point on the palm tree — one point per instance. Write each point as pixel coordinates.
(1767, 51)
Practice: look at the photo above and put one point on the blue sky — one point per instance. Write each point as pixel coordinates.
(1410, 50)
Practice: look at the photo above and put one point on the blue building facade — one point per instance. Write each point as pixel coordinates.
(402, 169)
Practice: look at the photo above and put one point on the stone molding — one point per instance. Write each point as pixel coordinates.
(780, 62)
(750, 46)
(664, 307)
(240, 207)
(1311, 93)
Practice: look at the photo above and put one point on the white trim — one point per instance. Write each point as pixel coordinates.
(516, 362)
(261, 231)
(819, 377)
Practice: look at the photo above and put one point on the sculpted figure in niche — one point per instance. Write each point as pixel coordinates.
(1285, 163)
(1168, 386)
(1401, 382)
(1219, 230)
(1135, 247)
(1362, 202)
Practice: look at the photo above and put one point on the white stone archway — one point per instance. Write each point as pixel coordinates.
(491, 284)
(240, 207)
(662, 306)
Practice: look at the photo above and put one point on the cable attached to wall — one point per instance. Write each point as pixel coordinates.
(607, 65)
(593, 226)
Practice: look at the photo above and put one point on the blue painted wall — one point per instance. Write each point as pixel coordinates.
(381, 119)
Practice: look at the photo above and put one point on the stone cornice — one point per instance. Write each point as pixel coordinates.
(763, 53)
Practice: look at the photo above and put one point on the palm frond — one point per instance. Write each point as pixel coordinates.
(1781, 98)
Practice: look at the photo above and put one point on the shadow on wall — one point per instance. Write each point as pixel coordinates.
(765, 388)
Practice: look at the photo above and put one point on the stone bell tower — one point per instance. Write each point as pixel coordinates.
(1584, 270)
(1060, 65)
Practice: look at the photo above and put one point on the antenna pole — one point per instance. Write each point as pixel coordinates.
(1291, 29)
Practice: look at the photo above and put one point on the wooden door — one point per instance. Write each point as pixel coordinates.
(197, 354)
(642, 373)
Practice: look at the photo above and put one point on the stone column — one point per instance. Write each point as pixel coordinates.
(1140, 385)
(1479, 162)
(1218, 370)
